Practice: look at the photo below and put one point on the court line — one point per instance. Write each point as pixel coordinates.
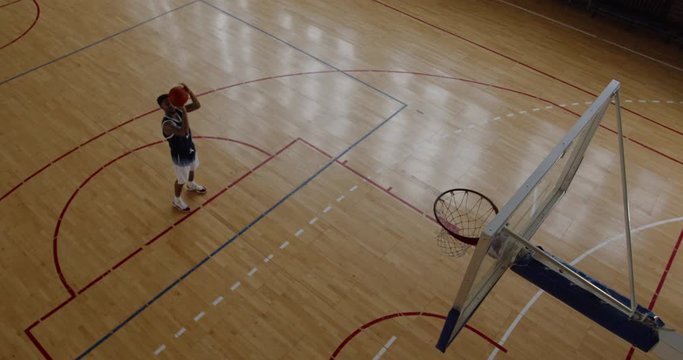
(91, 44)
(74, 296)
(591, 35)
(9, 3)
(238, 234)
(35, 20)
(579, 258)
(518, 62)
(660, 285)
(27, 331)
(55, 238)
(137, 117)
(303, 52)
(372, 323)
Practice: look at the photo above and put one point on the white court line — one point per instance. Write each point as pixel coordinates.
(340, 198)
(327, 209)
(592, 35)
(628, 101)
(235, 286)
(538, 294)
(180, 332)
(217, 301)
(384, 348)
(284, 245)
(535, 109)
(312, 221)
(269, 258)
(199, 316)
(510, 115)
(299, 232)
(252, 271)
(549, 107)
(159, 350)
(353, 188)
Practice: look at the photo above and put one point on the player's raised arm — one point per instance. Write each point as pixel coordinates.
(195, 103)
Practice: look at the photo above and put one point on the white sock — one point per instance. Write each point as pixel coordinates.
(191, 184)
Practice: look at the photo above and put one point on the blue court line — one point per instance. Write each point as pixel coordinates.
(236, 236)
(303, 52)
(93, 44)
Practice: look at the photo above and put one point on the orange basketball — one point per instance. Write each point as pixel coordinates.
(178, 96)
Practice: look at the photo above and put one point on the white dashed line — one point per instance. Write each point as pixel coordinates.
(548, 107)
(217, 301)
(159, 349)
(575, 104)
(340, 198)
(523, 112)
(284, 245)
(457, 131)
(269, 258)
(312, 221)
(656, 101)
(384, 348)
(587, 102)
(642, 101)
(353, 188)
(510, 115)
(670, 101)
(563, 105)
(180, 332)
(252, 271)
(235, 286)
(535, 109)
(199, 316)
(496, 118)
(628, 101)
(299, 232)
(327, 209)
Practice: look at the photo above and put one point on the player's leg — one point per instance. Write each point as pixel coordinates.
(192, 185)
(182, 174)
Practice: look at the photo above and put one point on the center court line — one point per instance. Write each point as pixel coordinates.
(538, 294)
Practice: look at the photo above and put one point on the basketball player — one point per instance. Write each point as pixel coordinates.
(176, 129)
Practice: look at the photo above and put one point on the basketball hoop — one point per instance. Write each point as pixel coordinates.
(462, 214)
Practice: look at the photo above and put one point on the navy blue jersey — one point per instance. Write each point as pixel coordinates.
(182, 147)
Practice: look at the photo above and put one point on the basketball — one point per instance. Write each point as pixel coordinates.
(178, 96)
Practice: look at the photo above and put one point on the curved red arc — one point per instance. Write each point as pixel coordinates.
(35, 20)
(55, 239)
(374, 322)
(46, 166)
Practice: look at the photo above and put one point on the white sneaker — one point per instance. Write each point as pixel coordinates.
(179, 204)
(196, 188)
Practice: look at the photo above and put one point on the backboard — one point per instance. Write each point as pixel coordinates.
(522, 216)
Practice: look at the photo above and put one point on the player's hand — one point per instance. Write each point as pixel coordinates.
(186, 88)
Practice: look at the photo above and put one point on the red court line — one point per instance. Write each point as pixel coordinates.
(374, 322)
(72, 296)
(35, 341)
(35, 2)
(9, 3)
(16, 187)
(55, 238)
(660, 285)
(517, 62)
